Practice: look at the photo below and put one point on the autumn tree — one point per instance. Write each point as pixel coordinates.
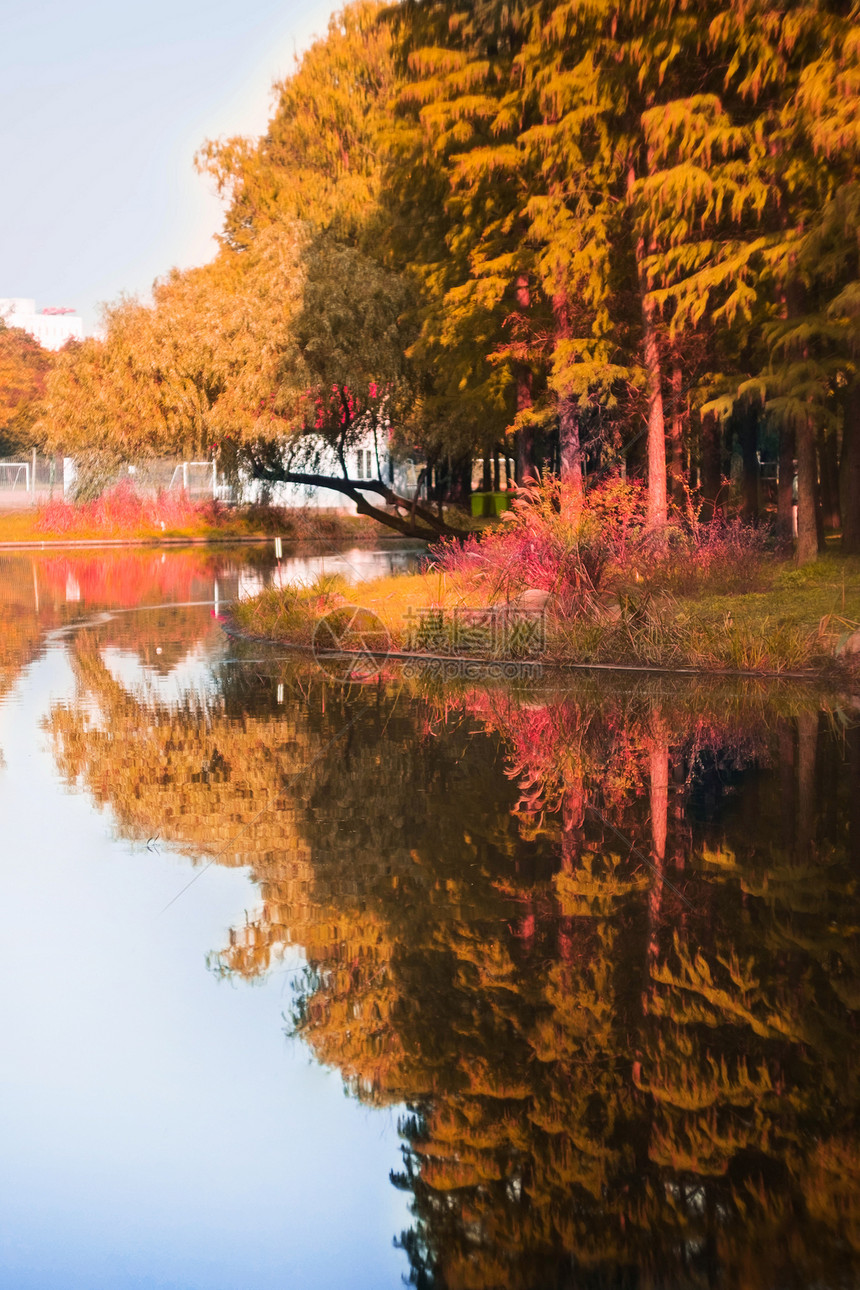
(454, 202)
(187, 369)
(319, 161)
(320, 164)
(827, 103)
(24, 367)
(589, 230)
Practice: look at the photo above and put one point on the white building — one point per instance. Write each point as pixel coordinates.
(51, 328)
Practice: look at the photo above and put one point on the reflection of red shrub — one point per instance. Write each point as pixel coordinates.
(560, 746)
(120, 511)
(118, 579)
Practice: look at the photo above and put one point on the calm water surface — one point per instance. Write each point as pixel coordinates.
(339, 986)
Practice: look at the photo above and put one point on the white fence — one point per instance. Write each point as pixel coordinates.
(23, 482)
(35, 481)
(26, 482)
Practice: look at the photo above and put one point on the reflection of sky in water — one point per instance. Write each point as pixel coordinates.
(157, 1127)
(355, 565)
(190, 676)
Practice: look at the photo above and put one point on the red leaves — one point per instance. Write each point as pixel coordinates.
(120, 511)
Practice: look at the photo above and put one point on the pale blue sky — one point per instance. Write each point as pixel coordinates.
(102, 107)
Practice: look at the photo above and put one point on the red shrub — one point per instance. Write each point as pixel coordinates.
(119, 512)
(545, 543)
(574, 552)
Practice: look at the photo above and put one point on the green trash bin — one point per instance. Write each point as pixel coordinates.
(487, 504)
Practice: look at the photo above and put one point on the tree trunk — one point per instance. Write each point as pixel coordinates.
(570, 454)
(807, 470)
(807, 748)
(463, 479)
(658, 766)
(828, 473)
(656, 444)
(694, 454)
(712, 473)
(747, 428)
(807, 494)
(787, 782)
(785, 486)
(676, 437)
(402, 517)
(852, 739)
(656, 449)
(850, 472)
(569, 443)
(497, 479)
(572, 820)
(526, 472)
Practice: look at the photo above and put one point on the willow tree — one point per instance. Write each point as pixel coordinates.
(354, 385)
(319, 165)
(101, 402)
(186, 370)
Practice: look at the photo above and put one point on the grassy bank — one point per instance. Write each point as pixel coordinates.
(591, 590)
(793, 621)
(154, 520)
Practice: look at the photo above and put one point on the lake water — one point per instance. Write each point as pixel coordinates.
(543, 985)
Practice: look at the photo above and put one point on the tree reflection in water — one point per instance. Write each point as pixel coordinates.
(603, 945)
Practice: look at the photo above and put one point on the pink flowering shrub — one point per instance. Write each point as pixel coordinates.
(545, 542)
(579, 551)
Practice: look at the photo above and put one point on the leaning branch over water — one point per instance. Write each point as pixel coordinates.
(403, 519)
